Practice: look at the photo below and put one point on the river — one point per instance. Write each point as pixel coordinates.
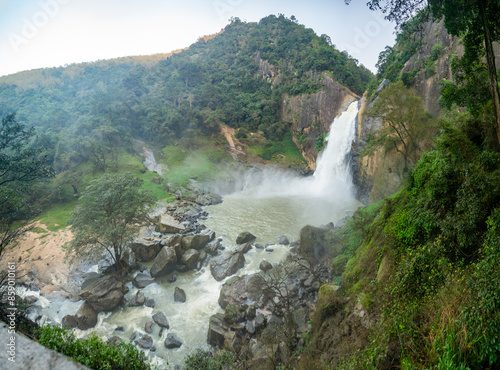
(267, 203)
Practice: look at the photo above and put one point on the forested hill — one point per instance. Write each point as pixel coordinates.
(236, 78)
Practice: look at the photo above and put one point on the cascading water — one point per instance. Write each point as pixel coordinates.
(267, 203)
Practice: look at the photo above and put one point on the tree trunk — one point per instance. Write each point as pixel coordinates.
(492, 71)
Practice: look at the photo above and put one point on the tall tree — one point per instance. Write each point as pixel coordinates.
(20, 168)
(111, 212)
(475, 20)
(405, 121)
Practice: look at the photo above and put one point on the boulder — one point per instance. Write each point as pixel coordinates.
(161, 320)
(69, 321)
(245, 237)
(145, 250)
(216, 331)
(243, 248)
(168, 224)
(142, 280)
(213, 247)
(190, 258)
(86, 317)
(265, 266)
(104, 294)
(89, 278)
(179, 295)
(226, 264)
(283, 240)
(232, 290)
(197, 241)
(312, 242)
(148, 327)
(172, 341)
(144, 341)
(174, 241)
(164, 262)
(137, 300)
(149, 302)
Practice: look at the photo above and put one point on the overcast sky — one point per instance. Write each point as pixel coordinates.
(49, 33)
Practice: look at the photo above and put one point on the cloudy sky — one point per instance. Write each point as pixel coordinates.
(48, 33)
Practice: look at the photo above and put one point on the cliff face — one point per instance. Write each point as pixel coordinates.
(380, 174)
(310, 116)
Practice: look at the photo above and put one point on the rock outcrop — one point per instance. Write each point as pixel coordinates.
(226, 264)
(164, 262)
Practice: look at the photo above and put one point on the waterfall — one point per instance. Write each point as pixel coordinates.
(333, 173)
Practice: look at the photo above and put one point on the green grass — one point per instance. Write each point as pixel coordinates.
(56, 217)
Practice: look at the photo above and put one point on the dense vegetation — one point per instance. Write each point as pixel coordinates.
(89, 116)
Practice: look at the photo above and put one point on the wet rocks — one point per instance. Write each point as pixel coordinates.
(172, 341)
(226, 264)
(161, 320)
(104, 294)
(137, 300)
(85, 318)
(148, 327)
(142, 280)
(164, 262)
(245, 237)
(197, 241)
(312, 242)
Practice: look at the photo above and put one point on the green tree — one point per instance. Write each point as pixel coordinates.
(405, 120)
(111, 211)
(20, 169)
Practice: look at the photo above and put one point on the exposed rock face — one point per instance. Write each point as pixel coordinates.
(168, 224)
(312, 115)
(230, 293)
(164, 262)
(175, 241)
(245, 237)
(226, 264)
(145, 249)
(104, 294)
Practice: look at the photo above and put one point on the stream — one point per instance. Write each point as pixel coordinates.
(268, 204)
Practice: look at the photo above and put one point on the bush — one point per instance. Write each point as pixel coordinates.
(92, 351)
(203, 360)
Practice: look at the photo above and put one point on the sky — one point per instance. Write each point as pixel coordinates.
(52, 33)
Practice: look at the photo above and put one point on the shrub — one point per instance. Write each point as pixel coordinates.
(203, 360)
(92, 351)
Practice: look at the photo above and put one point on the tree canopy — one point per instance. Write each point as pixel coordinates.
(110, 213)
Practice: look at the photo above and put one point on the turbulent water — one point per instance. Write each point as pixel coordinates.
(269, 204)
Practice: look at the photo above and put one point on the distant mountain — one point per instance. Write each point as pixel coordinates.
(237, 78)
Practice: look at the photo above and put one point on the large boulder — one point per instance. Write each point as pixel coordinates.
(245, 237)
(168, 224)
(234, 287)
(137, 300)
(164, 262)
(104, 294)
(226, 264)
(190, 258)
(142, 280)
(86, 317)
(312, 242)
(145, 249)
(175, 241)
(216, 331)
(197, 241)
(145, 341)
